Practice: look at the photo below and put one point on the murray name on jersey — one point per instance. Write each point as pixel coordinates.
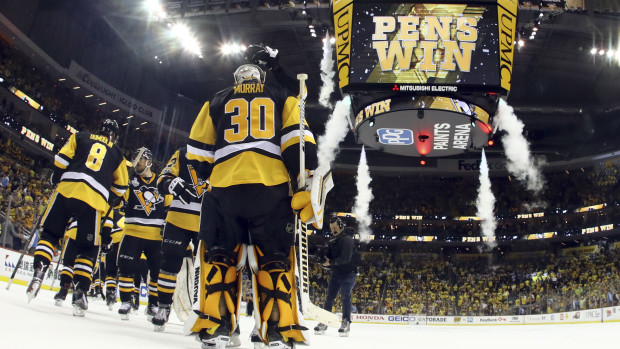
(146, 208)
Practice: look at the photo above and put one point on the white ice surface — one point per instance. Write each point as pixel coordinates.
(41, 324)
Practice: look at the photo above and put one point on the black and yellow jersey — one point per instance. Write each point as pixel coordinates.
(249, 133)
(118, 230)
(91, 167)
(179, 214)
(145, 210)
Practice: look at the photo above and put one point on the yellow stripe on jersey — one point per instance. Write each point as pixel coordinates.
(66, 152)
(84, 192)
(249, 167)
(184, 220)
(290, 113)
(143, 232)
(202, 132)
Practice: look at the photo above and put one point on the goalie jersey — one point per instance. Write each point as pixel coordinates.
(145, 210)
(91, 167)
(249, 133)
(181, 215)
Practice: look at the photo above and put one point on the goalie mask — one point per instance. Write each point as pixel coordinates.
(249, 73)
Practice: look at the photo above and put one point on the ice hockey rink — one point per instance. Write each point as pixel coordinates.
(41, 324)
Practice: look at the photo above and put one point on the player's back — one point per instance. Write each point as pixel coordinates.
(250, 120)
(92, 164)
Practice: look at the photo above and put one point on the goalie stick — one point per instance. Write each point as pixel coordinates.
(309, 309)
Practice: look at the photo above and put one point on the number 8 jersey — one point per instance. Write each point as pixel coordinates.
(91, 167)
(249, 133)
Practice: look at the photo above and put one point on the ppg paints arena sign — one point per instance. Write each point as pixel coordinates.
(422, 126)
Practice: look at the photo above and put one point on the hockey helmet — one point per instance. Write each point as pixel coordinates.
(109, 127)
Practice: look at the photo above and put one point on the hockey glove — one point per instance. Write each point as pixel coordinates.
(301, 202)
(182, 191)
(263, 56)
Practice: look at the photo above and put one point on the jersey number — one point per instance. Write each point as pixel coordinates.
(261, 119)
(95, 157)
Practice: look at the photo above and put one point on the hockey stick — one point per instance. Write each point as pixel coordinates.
(309, 309)
(25, 249)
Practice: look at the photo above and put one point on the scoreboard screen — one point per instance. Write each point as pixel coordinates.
(424, 46)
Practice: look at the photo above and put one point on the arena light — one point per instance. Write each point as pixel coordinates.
(115, 110)
(593, 50)
(423, 162)
(88, 96)
(130, 116)
(62, 79)
(490, 142)
(521, 42)
(76, 88)
(154, 8)
(102, 103)
(601, 52)
(610, 53)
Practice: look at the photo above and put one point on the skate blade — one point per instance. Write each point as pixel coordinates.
(234, 342)
(32, 291)
(344, 334)
(159, 328)
(58, 302)
(259, 345)
(319, 332)
(216, 343)
(79, 312)
(124, 317)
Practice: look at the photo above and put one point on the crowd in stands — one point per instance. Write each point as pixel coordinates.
(402, 284)
(65, 106)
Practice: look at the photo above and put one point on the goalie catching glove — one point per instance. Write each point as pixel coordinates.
(309, 201)
(182, 191)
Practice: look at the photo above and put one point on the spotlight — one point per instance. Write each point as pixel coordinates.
(371, 123)
(423, 162)
(490, 142)
(593, 50)
(521, 42)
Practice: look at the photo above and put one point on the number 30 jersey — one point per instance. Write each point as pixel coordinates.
(91, 167)
(249, 133)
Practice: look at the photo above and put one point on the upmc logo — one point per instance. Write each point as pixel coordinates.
(395, 136)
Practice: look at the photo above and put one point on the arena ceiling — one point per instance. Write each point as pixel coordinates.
(568, 98)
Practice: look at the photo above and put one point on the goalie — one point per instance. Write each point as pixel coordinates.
(247, 139)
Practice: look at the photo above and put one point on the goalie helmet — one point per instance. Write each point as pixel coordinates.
(249, 73)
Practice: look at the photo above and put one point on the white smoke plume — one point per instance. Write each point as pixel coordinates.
(327, 74)
(364, 196)
(485, 204)
(517, 149)
(336, 130)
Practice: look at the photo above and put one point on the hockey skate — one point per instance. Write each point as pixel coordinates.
(124, 310)
(61, 295)
(276, 341)
(320, 329)
(218, 340)
(110, 299)
(150, 312)
(256, 340)
(345, 327)
(235, 341)
(80, 303)
(161, 317)
(35, 283)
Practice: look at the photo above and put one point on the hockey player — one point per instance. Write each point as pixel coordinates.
(111, 254)
(180, 179)
(68, 259)
(144, 218)
(247, 139)
(87, 169)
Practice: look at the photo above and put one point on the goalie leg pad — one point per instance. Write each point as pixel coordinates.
(218, 285)
(276, 288)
